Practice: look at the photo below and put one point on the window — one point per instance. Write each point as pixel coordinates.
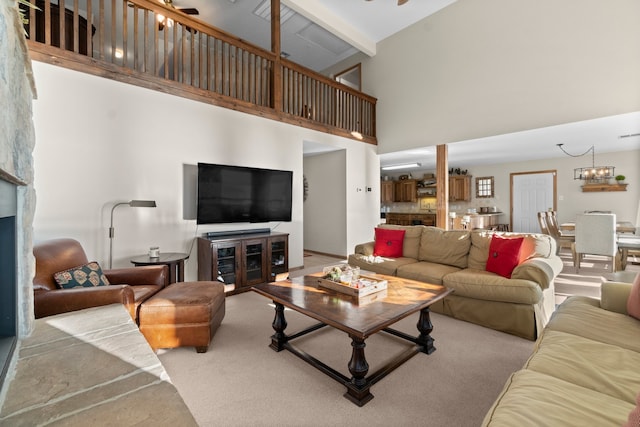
(484, 187)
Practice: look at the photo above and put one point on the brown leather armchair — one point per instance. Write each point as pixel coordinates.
(129, 286)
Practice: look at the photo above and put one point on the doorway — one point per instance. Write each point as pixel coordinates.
(531, 192)
(351, 77)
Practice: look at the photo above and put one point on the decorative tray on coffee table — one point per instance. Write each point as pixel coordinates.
(348, 280)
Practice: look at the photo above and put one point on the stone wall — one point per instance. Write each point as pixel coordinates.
(17, 139)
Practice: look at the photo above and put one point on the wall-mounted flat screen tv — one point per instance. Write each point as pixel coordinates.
(242, 194)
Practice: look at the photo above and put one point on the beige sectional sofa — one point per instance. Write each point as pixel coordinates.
(520, 305)
(584, 369)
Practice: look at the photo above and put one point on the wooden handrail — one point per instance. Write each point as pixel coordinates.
(150, 44)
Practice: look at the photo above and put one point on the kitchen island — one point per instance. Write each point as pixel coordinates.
(402, 218)
(477, 220)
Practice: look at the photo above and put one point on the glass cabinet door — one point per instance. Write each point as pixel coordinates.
(227, 258)
(277, 257)
(254, 261)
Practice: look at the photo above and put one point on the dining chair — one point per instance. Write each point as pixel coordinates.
(595, 235)
(542, 221)
(562, 240)
(552, 220)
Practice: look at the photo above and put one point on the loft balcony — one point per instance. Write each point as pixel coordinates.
(149, 44)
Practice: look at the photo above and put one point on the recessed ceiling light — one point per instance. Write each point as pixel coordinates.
(403, 166)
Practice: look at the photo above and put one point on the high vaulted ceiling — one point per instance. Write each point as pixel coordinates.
(315, 33)
(321, 33)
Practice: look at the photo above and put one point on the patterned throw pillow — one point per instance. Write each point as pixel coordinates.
(504, 255)
(87, 275)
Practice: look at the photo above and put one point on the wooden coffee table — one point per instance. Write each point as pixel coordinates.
(359, 318)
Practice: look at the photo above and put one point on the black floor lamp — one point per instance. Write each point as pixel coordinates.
(133, 204)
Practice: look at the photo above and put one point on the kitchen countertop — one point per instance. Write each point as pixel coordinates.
(479, 214)
(431, 212)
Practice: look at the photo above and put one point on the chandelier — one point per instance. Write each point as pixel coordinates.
(591, 173)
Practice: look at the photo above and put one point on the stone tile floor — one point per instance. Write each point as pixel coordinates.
(90, 367)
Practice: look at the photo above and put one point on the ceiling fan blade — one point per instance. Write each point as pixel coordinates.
(189, 10)
(401, 2)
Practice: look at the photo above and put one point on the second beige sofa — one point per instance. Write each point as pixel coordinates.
(583, 371)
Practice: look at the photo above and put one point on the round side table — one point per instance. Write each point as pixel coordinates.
(174, 260)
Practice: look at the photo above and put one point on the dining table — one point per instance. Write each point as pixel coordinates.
(626, 242)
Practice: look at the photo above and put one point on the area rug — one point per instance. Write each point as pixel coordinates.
(240, 381)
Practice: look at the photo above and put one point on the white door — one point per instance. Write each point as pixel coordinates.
(531, 193)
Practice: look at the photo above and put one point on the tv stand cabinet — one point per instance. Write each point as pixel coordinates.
(243, 260)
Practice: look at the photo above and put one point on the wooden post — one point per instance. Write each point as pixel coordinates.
(442, 187)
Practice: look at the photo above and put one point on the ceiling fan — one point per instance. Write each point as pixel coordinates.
(162, 20)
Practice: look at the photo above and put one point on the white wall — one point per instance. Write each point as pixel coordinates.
(99, 141)
(571, 199)
(483, 68)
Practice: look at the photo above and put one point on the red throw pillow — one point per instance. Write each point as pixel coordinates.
(633, 303)
(388, 243)
(634, 417)
(504, 255)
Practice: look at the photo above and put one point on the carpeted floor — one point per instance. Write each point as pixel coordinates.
(240, 381)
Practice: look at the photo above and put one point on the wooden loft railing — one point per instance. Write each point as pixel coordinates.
(149, 44)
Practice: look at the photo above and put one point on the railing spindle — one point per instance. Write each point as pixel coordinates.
(89, 33)
(101, 31)
(125, 34)
(145, 39)
(47, 22)
(136, 38)
(76, 27)
(31, 32)
(62, 18)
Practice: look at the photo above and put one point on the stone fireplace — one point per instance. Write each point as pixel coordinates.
(17, 195)
(8, 267)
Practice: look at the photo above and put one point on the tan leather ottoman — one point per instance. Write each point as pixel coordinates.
(183, 314)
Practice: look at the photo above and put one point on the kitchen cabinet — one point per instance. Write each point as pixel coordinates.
(387, 193)
(460, 188)
(406, 190)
